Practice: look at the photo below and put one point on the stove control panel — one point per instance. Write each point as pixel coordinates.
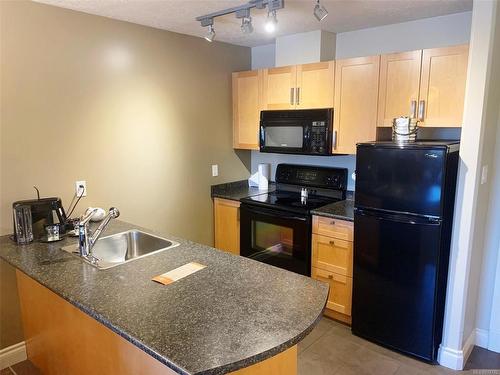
(314, 176)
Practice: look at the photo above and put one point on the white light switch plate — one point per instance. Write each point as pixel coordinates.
(484, 174)
(215, 170)
(79, 190)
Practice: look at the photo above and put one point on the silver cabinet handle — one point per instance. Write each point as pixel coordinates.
(292, 92)
(334, 140)
(298, 95)
(413, 109)
(421, 110)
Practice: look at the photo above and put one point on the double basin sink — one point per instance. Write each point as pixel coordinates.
(124, 247)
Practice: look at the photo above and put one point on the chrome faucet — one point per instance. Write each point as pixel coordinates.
(85, 244)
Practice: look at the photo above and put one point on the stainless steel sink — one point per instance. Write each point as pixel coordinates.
(124, 247)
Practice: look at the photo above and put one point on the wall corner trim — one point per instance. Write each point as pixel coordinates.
(456, 359)
(12, 354)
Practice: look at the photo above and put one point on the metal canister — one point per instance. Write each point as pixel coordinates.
(404, 129)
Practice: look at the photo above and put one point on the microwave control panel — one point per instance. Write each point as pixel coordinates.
(319, 137)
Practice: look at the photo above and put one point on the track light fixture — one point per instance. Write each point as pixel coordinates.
(246, 25)
(320, 11)
(271, 22)
(210, 34)
(243, 12)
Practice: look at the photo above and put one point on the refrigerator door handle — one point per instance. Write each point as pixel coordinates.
(399, 217)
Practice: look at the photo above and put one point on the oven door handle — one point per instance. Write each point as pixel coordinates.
(273, 213)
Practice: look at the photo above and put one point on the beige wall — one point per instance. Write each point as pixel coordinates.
(138, 113)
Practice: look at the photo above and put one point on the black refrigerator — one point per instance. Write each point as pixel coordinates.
(403, 216)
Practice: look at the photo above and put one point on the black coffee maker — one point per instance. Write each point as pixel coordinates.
(44, 211)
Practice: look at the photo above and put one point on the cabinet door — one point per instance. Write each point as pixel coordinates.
(356, 97)
(340, 295)
(279, 87)
(315, 85)
(247, 103)
(227, 225)
(399, 86)
(442, 86)
(331, 254)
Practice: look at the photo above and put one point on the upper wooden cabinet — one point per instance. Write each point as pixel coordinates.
(315, 85)
(356, 97)
(442, 86)
(300, 86)
(427, 84)
(279, 87)
(247, 102)
(399, 86)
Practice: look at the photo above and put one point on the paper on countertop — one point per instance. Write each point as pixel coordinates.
(260, 178)
(178, 273)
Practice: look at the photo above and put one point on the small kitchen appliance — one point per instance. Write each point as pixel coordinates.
(403, 215)
(275, 227)
(307, 131)
(44, 211)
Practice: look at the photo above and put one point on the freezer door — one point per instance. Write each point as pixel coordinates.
(401, 179)
(394, 283)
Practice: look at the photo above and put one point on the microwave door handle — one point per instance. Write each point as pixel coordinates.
(334, 140)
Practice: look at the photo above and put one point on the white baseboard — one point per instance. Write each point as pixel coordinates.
(455, 359)
(482, 337)
(13, 354)
(494, 341)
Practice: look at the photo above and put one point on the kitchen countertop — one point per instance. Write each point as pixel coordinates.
(230, 315)
(343, 210)
(237, 190)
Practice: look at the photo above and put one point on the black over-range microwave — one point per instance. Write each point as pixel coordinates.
(301, 131)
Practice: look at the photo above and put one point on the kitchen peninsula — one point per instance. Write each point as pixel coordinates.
(236, 315)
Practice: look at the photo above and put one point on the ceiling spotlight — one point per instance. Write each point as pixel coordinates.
(320, 11)
(246, 25)
(271, 22)
(211, 34)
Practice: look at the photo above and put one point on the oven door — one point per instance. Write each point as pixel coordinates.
(290, 136)
(276, 237)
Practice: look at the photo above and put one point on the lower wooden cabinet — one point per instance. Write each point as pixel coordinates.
(332, 263)
(340, 296)
(332, 254)
(227, 225)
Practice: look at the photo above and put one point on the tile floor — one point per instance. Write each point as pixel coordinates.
(21, 368)
(331, 349)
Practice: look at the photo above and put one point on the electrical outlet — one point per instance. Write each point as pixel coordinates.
(215, 170)
(81, 188)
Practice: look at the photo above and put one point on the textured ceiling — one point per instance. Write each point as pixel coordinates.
(296, 17)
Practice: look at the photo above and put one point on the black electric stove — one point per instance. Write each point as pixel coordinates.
(275, 228)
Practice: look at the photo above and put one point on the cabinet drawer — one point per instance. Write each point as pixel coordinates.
(340, 295)
(341, 229)
(332, 254)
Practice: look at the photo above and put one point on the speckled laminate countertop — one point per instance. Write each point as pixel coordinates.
(237, 190)
(343, 210)
(230, 315)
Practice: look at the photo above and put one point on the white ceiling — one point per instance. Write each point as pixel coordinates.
(296, 17)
